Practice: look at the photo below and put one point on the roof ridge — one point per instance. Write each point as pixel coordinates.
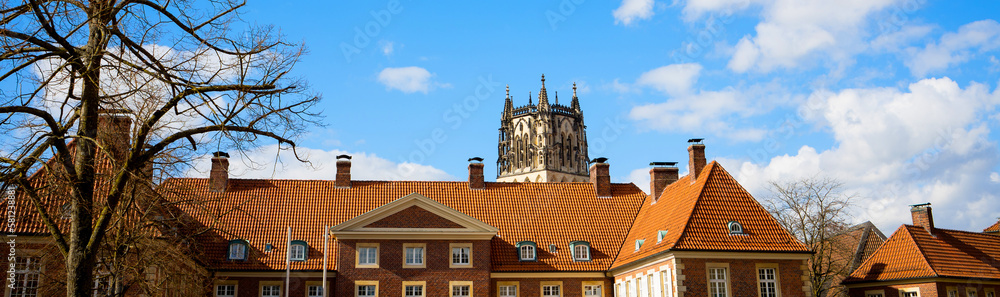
(701, 194)
(919, 248)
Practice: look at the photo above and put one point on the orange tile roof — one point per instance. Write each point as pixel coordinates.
(695, 216)
(995, 228)
(911, 252)
(259, 211)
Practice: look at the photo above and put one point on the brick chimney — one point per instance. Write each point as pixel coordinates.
(660, 176)
(343, 180)
(922, 216)
(476, 179)
(114, 131)
(696, 158)
(600, 176)
(218, 179)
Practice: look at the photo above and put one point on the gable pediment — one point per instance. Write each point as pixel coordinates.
(414, 216)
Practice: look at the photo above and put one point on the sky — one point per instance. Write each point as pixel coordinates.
(897, 99)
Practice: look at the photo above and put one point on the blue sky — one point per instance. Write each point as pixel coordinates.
(896, 98)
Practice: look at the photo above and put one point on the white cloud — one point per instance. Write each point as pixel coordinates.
(633, 10)
(640, 177)
(995, 177)
(928, 143)
(895, 41)
(955, 47)
(675, 79)
(261, 163)
(407, 79)
(387, 48)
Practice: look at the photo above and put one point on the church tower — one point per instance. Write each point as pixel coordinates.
(544, 142)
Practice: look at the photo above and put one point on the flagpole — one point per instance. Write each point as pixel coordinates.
(288, 260)
(326, 238)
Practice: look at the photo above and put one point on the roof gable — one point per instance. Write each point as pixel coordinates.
(912, 252)
(460, 225)
(995, 228)
(413, 217)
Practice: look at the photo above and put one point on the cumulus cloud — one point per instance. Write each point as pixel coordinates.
(408, 79)
(955, 47)
(633, 10)
(675, 79)
(928, 143)
(263, 163)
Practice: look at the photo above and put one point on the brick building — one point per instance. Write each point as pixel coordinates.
(920, 260)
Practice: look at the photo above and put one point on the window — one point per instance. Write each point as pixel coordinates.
(632, 288)
(668, 290)
(618, 289)
(911, 294)
(915, 292)
(413, 291)
(734, 227)
(461, 255)
(299, 250)
(552, 248)
(315, 291)
(581, 250)
(237, 250)
(638, 244)
(550, 291)
(270, 291)
(643, 287)
(367, 255)
(367, 290)
(990, 292)
(460, 288)
(526, 251)
(767, 282)
(27, 270)
(413, 255)
(717, 282)
(225, 290)
(875, 293)
(507, 291)
(592, 291)
(660, 235)
(952, 292)
(971, 292)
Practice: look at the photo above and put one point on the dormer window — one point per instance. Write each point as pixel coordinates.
(237, 250)
(581, 250)
(660, 235)
(735, 227)
(298, 250)
(526, 251)
(638, 244)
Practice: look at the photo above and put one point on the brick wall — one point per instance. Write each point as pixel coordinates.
(742, 276)
(390, 274)
(570, 286)
(929, 289)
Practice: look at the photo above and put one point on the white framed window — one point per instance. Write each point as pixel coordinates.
(668, 290)
(270, 291)
(638, 244)
(367, 290)
(315, 291)
(581, 250)
(413, 290)
(971, 292)
(367, 255)
(875, 293)
(527, 251)
(461, 255)
(734, 227)
(989, 292)
(717, 285)
(550, 291)
(298, 250)
(660, 235)
(632, 288)
(914, 292)
(237, 250)
(27, 271)
(507, 291)
(227, 290)
(592, 291)
(767, 281)
(643, 287)
(460, 288)
(414, 254)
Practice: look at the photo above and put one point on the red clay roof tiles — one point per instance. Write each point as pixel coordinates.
(912, 252)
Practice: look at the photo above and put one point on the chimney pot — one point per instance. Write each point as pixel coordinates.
(922, 216)
(114, 132)
(660, 176)
(600, 176)
(696, 161)
(218, 179)
(343, 178)
(476, 178)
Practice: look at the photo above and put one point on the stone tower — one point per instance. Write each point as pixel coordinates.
(542, 143)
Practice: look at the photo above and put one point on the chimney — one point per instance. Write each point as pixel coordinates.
(114, 128)
(696, 161)
(343, 180)
(922, 216)
(218, 179)
(476, 180)
(600, 176)
(660, 176)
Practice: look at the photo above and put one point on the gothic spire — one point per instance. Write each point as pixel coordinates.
(543, 97)
(508, 106)
(576, 102)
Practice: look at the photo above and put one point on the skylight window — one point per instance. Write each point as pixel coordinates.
(735, 227)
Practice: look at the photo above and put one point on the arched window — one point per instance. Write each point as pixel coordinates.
(237, 250)
(580, 250)
(298, 250)
(526, 251)
(735, 227)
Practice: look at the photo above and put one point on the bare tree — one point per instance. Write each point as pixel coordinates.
(816, 210)
(186, 73)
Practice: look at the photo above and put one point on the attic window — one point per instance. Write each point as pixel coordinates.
(638, 244)
(298, 250)
(526, 251)
(735, 227)
(660, 235)
(552, 248)
(580, 250)
(237, 250)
